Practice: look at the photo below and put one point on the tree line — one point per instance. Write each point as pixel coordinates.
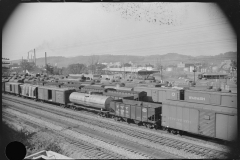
(95, 68)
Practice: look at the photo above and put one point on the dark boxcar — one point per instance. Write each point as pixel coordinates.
(160, 94)
(56, 95)
(122, 93)
(53, 84)
(208, 120)
(76, 87)
(62, 95)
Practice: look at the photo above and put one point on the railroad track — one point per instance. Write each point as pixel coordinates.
(198, 151)
(131, 149)
(89, 150)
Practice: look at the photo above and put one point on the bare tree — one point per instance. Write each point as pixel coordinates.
(76, 68)
(159, 66)
(25, 65)
(93, 61)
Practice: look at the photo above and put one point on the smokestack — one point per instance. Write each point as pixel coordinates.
(28, 56)
(35, 57)
(31, 58)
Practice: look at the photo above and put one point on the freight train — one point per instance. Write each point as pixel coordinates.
(208, 112)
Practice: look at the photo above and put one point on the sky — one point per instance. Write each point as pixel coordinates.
(74, 29)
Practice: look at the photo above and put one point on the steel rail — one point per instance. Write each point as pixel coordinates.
(165, 141)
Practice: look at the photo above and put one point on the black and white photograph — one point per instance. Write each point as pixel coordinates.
(120, 80)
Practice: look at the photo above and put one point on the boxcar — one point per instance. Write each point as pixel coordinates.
(29, 90)
(92, 89)
(53, 84)
(160, 94)
(207, 120)
(76, 87)
(55, 95)
(123, 93)
(211, 97)
(13, 87)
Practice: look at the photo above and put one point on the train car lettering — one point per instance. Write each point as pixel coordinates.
(197, 98)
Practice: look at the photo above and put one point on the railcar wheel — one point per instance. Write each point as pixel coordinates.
(173, 131)
(165, 128)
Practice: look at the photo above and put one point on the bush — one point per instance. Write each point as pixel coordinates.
(30, 140)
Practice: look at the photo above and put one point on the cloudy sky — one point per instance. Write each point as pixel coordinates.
(72, 29)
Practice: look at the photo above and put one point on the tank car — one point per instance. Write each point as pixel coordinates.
(97, 101)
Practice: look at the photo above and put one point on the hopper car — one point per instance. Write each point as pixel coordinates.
(205, 112)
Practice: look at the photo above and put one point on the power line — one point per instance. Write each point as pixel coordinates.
(136, 36)
(170, 46)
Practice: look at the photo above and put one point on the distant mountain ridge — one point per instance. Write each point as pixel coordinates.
(166, 59)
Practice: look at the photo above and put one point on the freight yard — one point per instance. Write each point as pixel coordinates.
(105, 87)
(135, 121)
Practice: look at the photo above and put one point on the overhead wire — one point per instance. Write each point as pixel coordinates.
(200, 33)
(135, 36)
(170, 46)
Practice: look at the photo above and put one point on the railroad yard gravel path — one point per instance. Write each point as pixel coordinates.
(71, 133)
(111, 136)
(75, 123)
(112, 146)
(208, 144)
(144, 142)
(43, 135)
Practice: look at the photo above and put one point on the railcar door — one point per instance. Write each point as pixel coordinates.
(194, 120)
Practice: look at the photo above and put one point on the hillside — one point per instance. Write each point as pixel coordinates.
(166, 59)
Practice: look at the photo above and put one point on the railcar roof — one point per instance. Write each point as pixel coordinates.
(160, 88)
(53, 88)
(210, 91)
(13, 83)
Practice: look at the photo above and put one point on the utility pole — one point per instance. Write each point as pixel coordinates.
(46, 61)
(124, 70)
(161, 71)
(35, 58)
(194, 73)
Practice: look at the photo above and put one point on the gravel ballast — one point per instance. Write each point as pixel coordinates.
(77, 135)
